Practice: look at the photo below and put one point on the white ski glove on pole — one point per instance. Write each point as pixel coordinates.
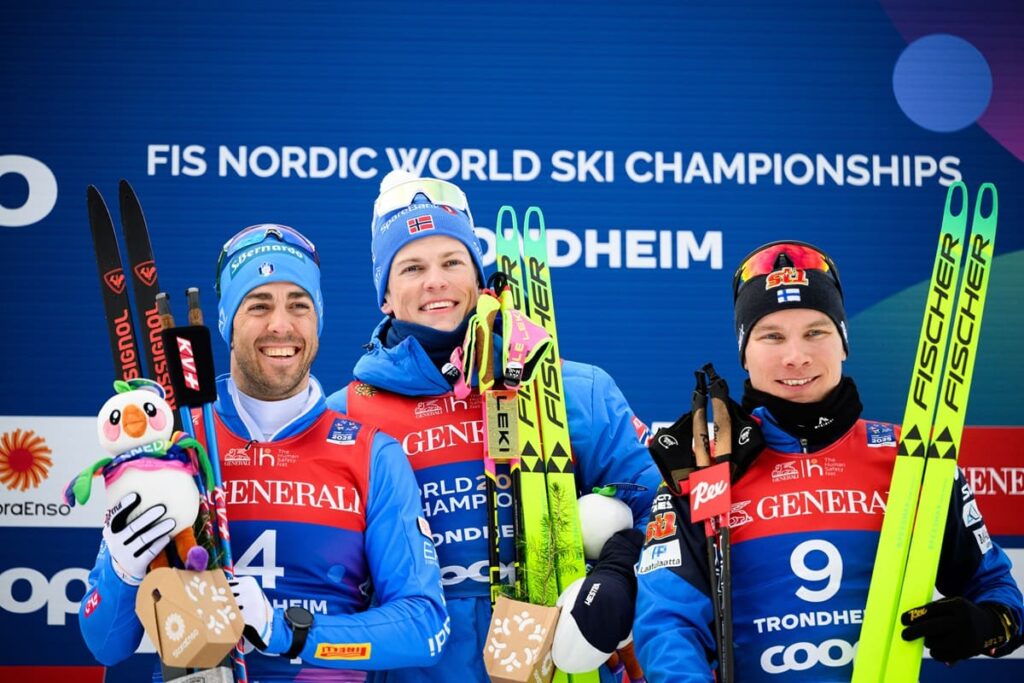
(256, 610)
(133, 544)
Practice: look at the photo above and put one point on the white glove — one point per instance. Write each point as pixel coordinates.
(133, 544)
(256, 610)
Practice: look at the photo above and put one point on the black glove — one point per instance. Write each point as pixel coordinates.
(956, 628)
(672, 447)
(597, 615)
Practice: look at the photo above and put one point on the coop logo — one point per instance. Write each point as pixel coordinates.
(454, 574)
(51, 594)
(802, 656)
(42, 191)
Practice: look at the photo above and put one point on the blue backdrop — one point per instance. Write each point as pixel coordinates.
(663, 140)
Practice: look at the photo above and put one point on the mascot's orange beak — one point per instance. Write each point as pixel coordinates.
(133, 420)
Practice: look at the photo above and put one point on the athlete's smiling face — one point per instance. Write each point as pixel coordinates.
(432, 282)
(795, 354)
(274, 341)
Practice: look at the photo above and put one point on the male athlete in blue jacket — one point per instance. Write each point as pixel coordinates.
(428, 273)
(807, 513)
(337, 571)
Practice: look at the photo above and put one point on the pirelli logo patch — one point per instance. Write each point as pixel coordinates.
(343, 651)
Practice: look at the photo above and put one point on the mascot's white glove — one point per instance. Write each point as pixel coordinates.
(133, 544)
(256, 610)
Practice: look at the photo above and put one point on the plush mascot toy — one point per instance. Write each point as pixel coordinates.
(136, 426)
(596, 622)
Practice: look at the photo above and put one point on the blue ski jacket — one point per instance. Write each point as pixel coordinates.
(608, 443)
(326, 516)
(805, 529)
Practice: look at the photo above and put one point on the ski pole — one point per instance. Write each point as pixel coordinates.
(719, 393)
(190, 355)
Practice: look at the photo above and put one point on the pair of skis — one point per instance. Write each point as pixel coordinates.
(128, 362)
(544, 473)
(179, 358)
(906, 564)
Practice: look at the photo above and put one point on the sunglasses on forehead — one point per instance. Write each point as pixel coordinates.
(786, 253)
(256, 234)
(436, 191)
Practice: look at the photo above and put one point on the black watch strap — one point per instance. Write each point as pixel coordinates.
(300, 621)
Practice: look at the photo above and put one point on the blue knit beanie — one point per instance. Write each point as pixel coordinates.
(271, 253)
(422, 217)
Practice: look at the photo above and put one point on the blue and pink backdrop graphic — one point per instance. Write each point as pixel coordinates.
(663, 141)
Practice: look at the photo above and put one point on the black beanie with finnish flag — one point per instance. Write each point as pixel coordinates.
(784, 288)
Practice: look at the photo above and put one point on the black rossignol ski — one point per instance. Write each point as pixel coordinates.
(113, 288)
(121, 329)
(144, 288)
(124, 343)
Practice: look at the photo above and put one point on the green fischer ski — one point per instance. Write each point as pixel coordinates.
(941, 464)
(924, 469)
(908, 470)
(538, 565)
(554, 545)
(563, 511)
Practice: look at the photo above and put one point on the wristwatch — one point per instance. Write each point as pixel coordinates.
(299, 620)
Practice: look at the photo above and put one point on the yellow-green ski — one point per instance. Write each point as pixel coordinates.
(561, 479)
(539, 574)
(915, 490)
(940, 466)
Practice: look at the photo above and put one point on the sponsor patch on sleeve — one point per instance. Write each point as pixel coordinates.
(971, 513)
(661, 502)
(880, 434)
(92, 603)
(343, 651)
(424, 527)
(659, 556)
(429, 552)
(983, 539)
(343, 432)
(643, 434)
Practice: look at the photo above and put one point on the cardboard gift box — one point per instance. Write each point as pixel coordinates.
(191, 617)
(518, 647)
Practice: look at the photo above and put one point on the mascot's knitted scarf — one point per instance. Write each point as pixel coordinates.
(177, 449)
